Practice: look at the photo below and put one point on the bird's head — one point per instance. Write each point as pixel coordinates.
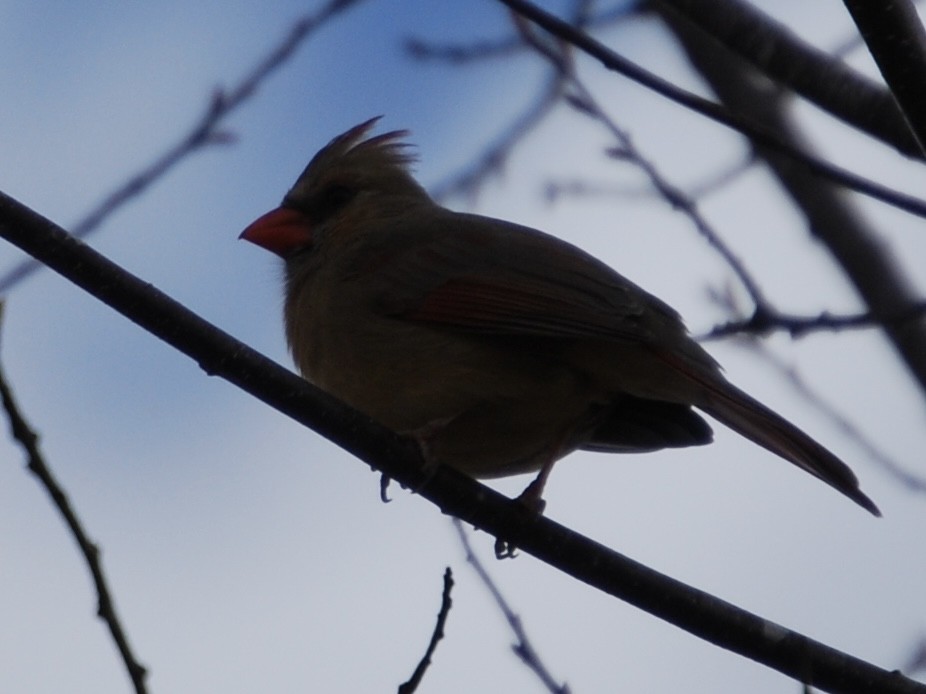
(353, 179)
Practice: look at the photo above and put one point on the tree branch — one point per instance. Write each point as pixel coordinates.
(106, 608)
(831, 217)
(524, 649)
(764, 323)
(455, 494)
(895, 37)
(468, 181)
(582, 100)
(205, 132)
(779, 54)
(414, 681)
(715, 112)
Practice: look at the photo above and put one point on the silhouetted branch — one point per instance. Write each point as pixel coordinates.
(459, 54)
(438, 633)
(106, 608)
(896, 39)
(454, 493)
(779, 54)
(523, 648)
(850, 431)
(582, 100)
(468, 181)
(492, 160)
(848, 428)
(206, 131)
(760, 135)
(767, 321)
(553, 190)
(831, 216)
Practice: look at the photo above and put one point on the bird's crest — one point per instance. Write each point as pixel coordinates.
(382, 161)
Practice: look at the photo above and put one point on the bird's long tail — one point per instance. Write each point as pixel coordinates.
(750, 418)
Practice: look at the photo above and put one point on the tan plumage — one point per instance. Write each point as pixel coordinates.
(499, 347)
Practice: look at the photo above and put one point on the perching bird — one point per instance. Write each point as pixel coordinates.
(499, 348)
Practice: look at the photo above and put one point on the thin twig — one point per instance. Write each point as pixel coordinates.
(468, 181)
(206, 131)
(523, 648)
(850, 431)
(711, 184)
(106, 608)
(760, 135)
(790, 61)
(799, 326)
(830, 215)
(583, 101)
(476, 51)
(438, 633)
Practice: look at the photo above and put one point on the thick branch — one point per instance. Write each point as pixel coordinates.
(455, 494)
(897, 41)
(830, 215)
(778, 53)
(715, 112)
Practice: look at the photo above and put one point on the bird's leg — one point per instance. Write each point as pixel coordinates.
(532, 500)
(532, 496)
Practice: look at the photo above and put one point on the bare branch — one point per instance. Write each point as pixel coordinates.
(458, 54)
(715, 112)
(830, 215)
(897, 41)
(207, 131)
(461, 54)
(779, 54)
(850, 431)
(712, 183)
(438, 633)
(848, 428)
(106, 608)
(767, 322)
(582, 100)
(468, 181)
(454, 493)
(523, 648)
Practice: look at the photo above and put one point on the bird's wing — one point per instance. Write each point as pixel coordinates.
(475, 274)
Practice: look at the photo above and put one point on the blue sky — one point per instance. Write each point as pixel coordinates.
(247, 554)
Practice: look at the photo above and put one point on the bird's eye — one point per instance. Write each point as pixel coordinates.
(334, 197)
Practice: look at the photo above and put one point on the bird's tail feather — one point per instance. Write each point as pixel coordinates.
(750, 418)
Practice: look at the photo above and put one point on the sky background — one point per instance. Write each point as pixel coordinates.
(246, 553)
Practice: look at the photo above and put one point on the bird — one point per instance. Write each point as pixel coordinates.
(499, 348)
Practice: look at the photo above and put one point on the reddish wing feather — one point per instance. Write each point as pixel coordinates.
(516, 306)
(486, 276)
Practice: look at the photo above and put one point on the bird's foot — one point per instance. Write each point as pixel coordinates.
(532, 502)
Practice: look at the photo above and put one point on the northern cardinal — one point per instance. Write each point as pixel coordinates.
(500, 348)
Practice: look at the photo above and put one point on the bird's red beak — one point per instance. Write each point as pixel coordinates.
(281, 231)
